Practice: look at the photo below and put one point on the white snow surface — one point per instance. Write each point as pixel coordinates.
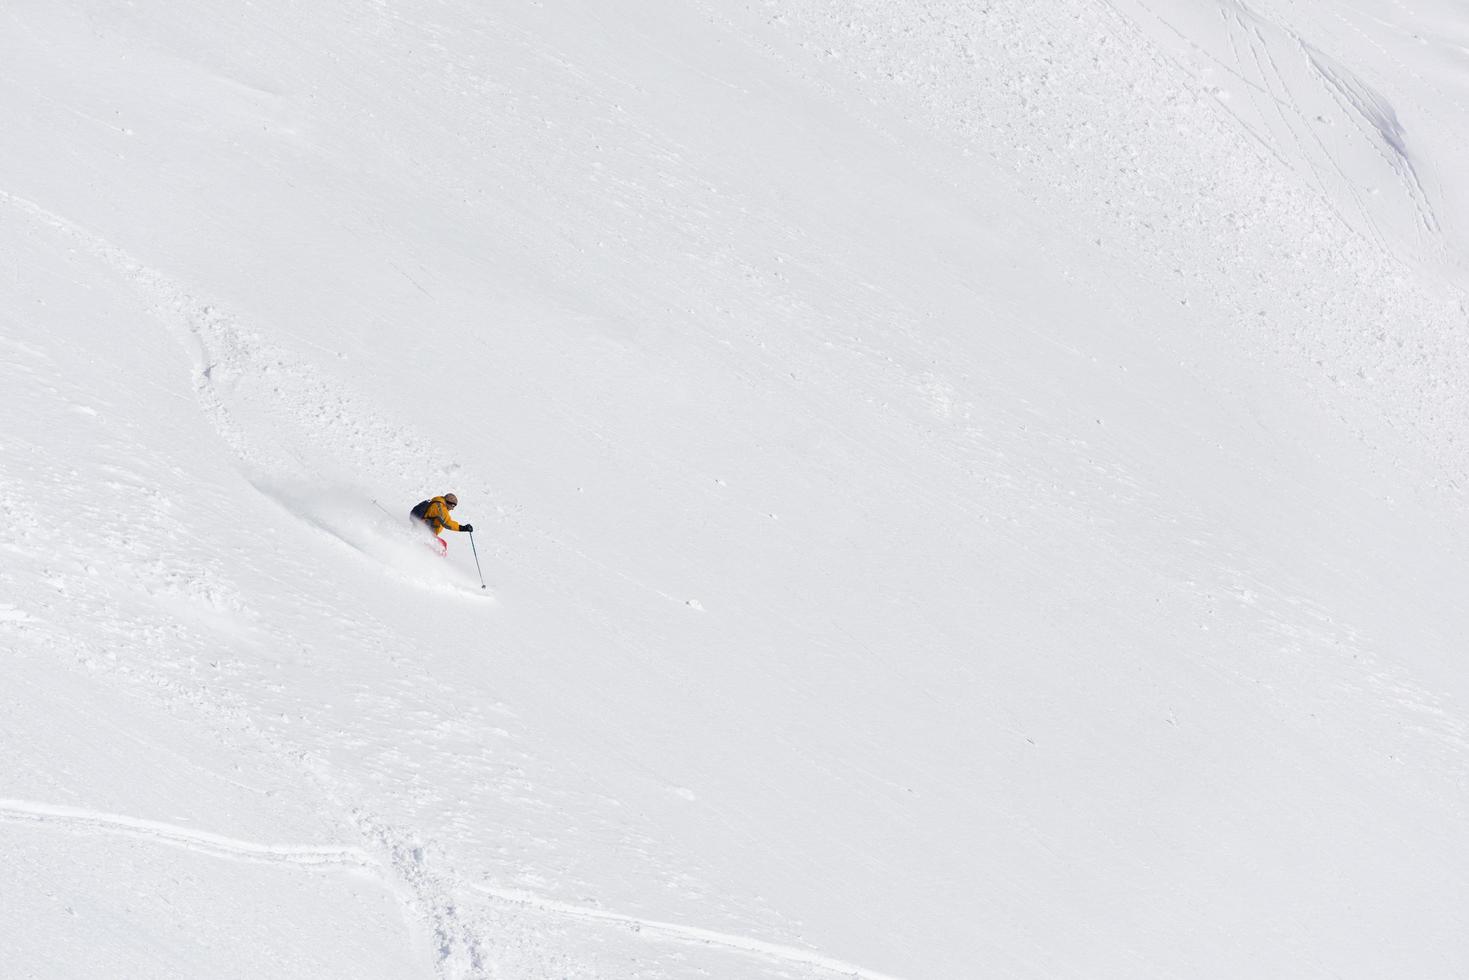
(965, 489)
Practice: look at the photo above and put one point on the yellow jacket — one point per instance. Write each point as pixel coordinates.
(438, 517)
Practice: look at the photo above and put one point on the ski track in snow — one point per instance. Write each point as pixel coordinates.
(1282, 76)
(460, 947)
(199, 841)
(687, 934)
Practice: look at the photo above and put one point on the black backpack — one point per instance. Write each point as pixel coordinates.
(420, 509)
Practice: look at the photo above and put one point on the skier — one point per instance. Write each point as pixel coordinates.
(434, 514)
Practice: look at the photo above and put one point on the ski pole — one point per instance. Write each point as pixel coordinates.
(476, 560)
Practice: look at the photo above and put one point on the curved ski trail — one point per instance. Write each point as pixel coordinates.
(73, 819)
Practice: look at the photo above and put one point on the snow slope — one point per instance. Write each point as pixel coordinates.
(964, 491)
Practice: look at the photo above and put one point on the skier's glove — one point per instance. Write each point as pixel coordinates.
(467, 527)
